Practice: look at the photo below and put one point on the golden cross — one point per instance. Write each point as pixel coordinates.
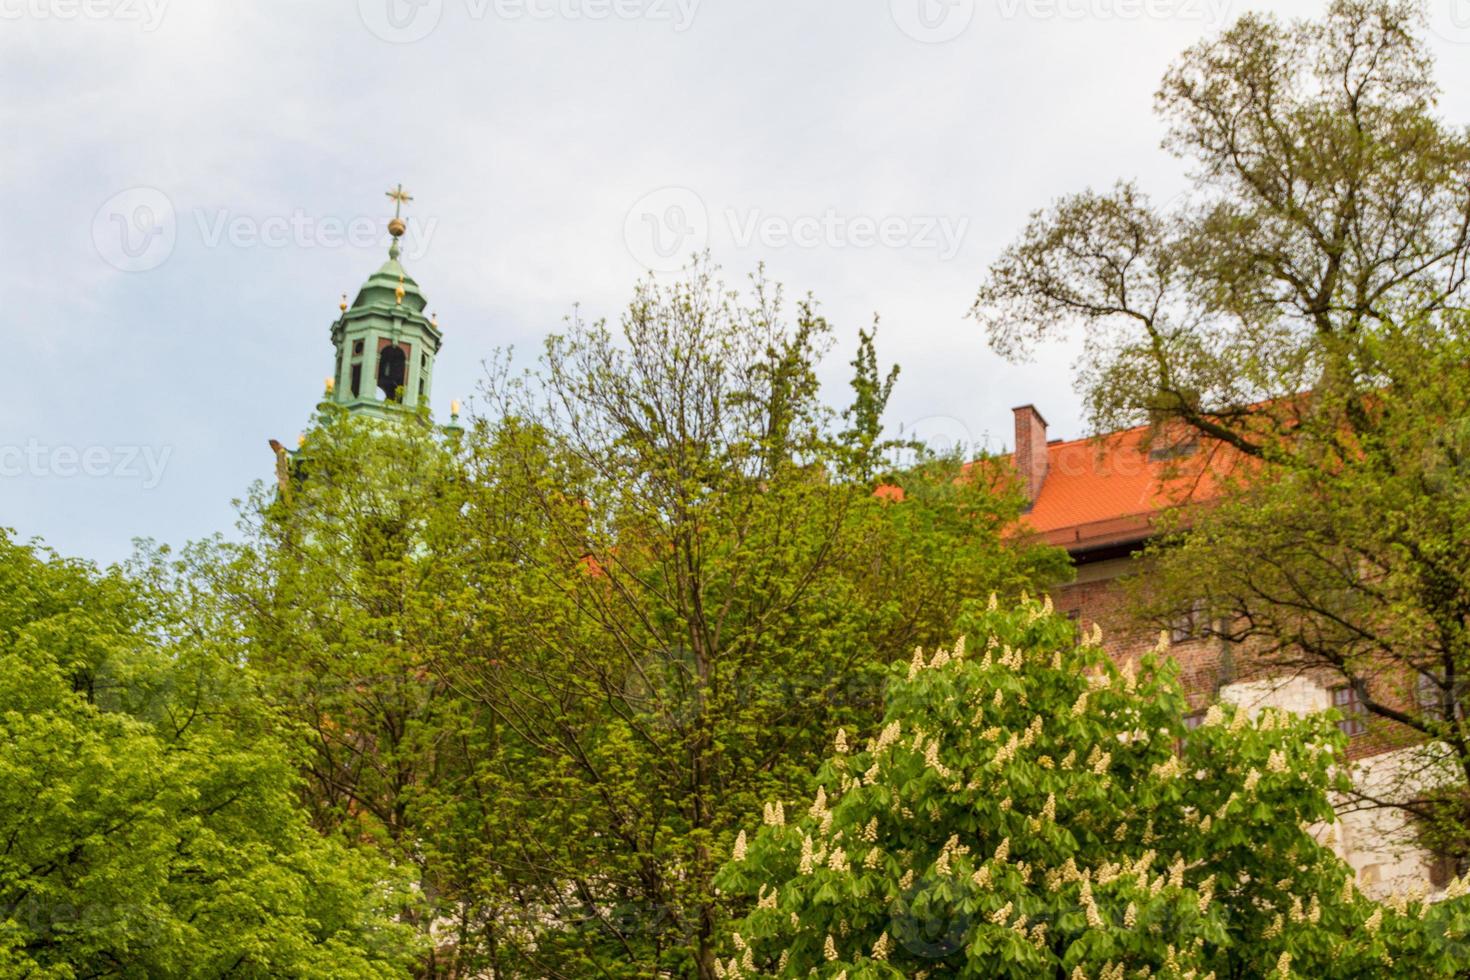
(399, 197)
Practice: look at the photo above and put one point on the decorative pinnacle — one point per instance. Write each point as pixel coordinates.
(454, 408)
(331, 385)
(343, 305)
(434, 320)
(398, 293)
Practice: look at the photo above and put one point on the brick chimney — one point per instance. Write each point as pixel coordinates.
(1030, 455)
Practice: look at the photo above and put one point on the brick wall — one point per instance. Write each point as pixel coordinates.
(1377, 844)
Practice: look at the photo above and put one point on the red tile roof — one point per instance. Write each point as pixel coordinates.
(1107, 490)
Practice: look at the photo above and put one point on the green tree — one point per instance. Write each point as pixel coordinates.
(147, 809)
(1358, 568)
(345, 593)
(1299, 318)
(683, 575)
(1027, 809)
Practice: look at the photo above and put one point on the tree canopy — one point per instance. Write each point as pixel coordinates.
(548, 661)
(1028, 808)
(147, 806)
(1298, 319)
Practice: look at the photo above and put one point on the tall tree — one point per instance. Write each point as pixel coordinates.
(684, 578)
(146, 802)
(345, 592)
(1302, 312)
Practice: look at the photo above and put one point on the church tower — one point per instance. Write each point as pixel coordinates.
(385, 344)
(385, 352)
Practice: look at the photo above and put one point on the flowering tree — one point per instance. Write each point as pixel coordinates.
(1029, 809)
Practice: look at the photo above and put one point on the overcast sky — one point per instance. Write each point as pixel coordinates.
(189, 185)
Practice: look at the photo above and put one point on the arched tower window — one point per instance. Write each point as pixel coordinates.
(392, 372)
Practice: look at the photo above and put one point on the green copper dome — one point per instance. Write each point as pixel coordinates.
(381, 290)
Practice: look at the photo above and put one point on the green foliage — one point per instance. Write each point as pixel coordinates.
(679, 578)
(871, 390)
(1028, 808)
(1327, 199)
(1299, 316)
(546, 663)
(148, 815)
(346, 593)
(1357, 562)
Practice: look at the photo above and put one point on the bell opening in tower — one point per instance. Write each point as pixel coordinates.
(392, 372)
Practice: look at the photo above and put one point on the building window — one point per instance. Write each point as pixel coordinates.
(1345, 699)
(357, 348)
(391, 372)
(1075, 615)
(1192, 720)
(1190, 624)
(1442, 869)
(1163, 449)
(1430, 696)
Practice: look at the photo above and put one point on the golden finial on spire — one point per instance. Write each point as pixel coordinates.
(331, 385)
(434, 320)
(399, 291)
(454, 408)
(343, 305)
(399, 197)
